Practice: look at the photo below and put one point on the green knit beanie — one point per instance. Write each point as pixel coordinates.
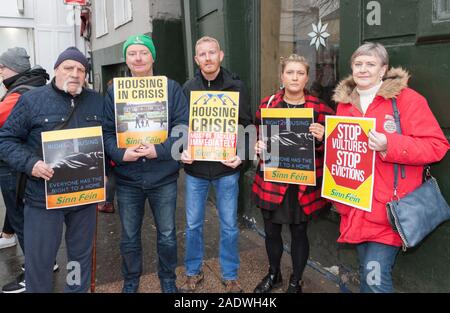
(140, 40)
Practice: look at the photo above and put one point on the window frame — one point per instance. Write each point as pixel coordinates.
(438, 10)
(429, 28)
(100, 15)
(123, 12)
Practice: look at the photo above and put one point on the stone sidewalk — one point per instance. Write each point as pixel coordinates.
(253, 257)
(253, 269)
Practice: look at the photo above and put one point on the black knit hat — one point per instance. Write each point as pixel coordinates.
(72, 53)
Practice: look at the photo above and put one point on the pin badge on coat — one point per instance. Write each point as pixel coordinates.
(389, 124)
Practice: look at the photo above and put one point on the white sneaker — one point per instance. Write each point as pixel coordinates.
(7, 242)
(55, 267)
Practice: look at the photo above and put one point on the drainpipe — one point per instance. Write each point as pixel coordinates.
(188, 37)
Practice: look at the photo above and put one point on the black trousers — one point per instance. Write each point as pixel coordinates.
(299, 246)
(14, 213)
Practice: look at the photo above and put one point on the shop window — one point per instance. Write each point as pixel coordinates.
(307, 28)
(122, 12)
(441, 10)
(101, 25)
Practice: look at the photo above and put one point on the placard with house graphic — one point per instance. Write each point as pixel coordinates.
(213, 125)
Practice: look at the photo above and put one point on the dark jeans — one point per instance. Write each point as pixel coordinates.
(131, 201)
(14, 213)
(43, 233)
(7, 228)
(111, 187)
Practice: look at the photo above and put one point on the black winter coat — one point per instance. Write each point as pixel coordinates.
(225, 81)
(37, 111)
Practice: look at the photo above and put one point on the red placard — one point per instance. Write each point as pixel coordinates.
(75, 2)
(349, 163)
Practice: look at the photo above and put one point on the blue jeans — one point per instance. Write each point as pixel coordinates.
(43, 233)
(14, 213)
(131, 202)
(376, 261)
(227, 190)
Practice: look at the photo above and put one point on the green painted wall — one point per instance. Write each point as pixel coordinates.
(168, 36)
(232, 23)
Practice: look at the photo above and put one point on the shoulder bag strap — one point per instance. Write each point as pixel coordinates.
(399, 130)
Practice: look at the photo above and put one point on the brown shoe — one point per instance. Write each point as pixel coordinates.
(106, 207)
(192, 283)
(232, 286)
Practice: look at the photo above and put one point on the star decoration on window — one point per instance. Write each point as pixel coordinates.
(319, 34)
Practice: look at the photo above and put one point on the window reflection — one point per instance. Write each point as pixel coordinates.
(441, 10)
(306, 27)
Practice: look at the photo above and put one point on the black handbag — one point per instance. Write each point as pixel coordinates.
(418, 213)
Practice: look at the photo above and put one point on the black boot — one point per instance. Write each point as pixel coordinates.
(270, 281)
(295, 285)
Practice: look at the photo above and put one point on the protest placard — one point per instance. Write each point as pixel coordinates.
(290, 145)
(141, 110)
(213, 125)
(77, 159)
(349, 163)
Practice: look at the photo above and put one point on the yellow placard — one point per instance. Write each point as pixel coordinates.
(289, 176)
(140, 89)
(213, 125)
(130, 139)
(287, 113)
(141, 110)
(69, 133)
(76, 198)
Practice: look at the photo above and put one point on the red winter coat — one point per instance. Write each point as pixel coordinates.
(421, 143)
(7, 105)
(268, 195)
(17, 86)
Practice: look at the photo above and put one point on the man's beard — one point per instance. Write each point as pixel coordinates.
(66, 88)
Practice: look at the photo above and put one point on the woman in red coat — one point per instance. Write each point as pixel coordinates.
(288, 203)
(368, 92)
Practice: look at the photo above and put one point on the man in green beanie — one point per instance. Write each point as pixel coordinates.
(140, 40)
(146, 172)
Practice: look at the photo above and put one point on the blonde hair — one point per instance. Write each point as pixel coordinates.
(372, 49)
(294, 58)
(206, 39)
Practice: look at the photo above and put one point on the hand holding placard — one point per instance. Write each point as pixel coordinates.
(377, 141)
